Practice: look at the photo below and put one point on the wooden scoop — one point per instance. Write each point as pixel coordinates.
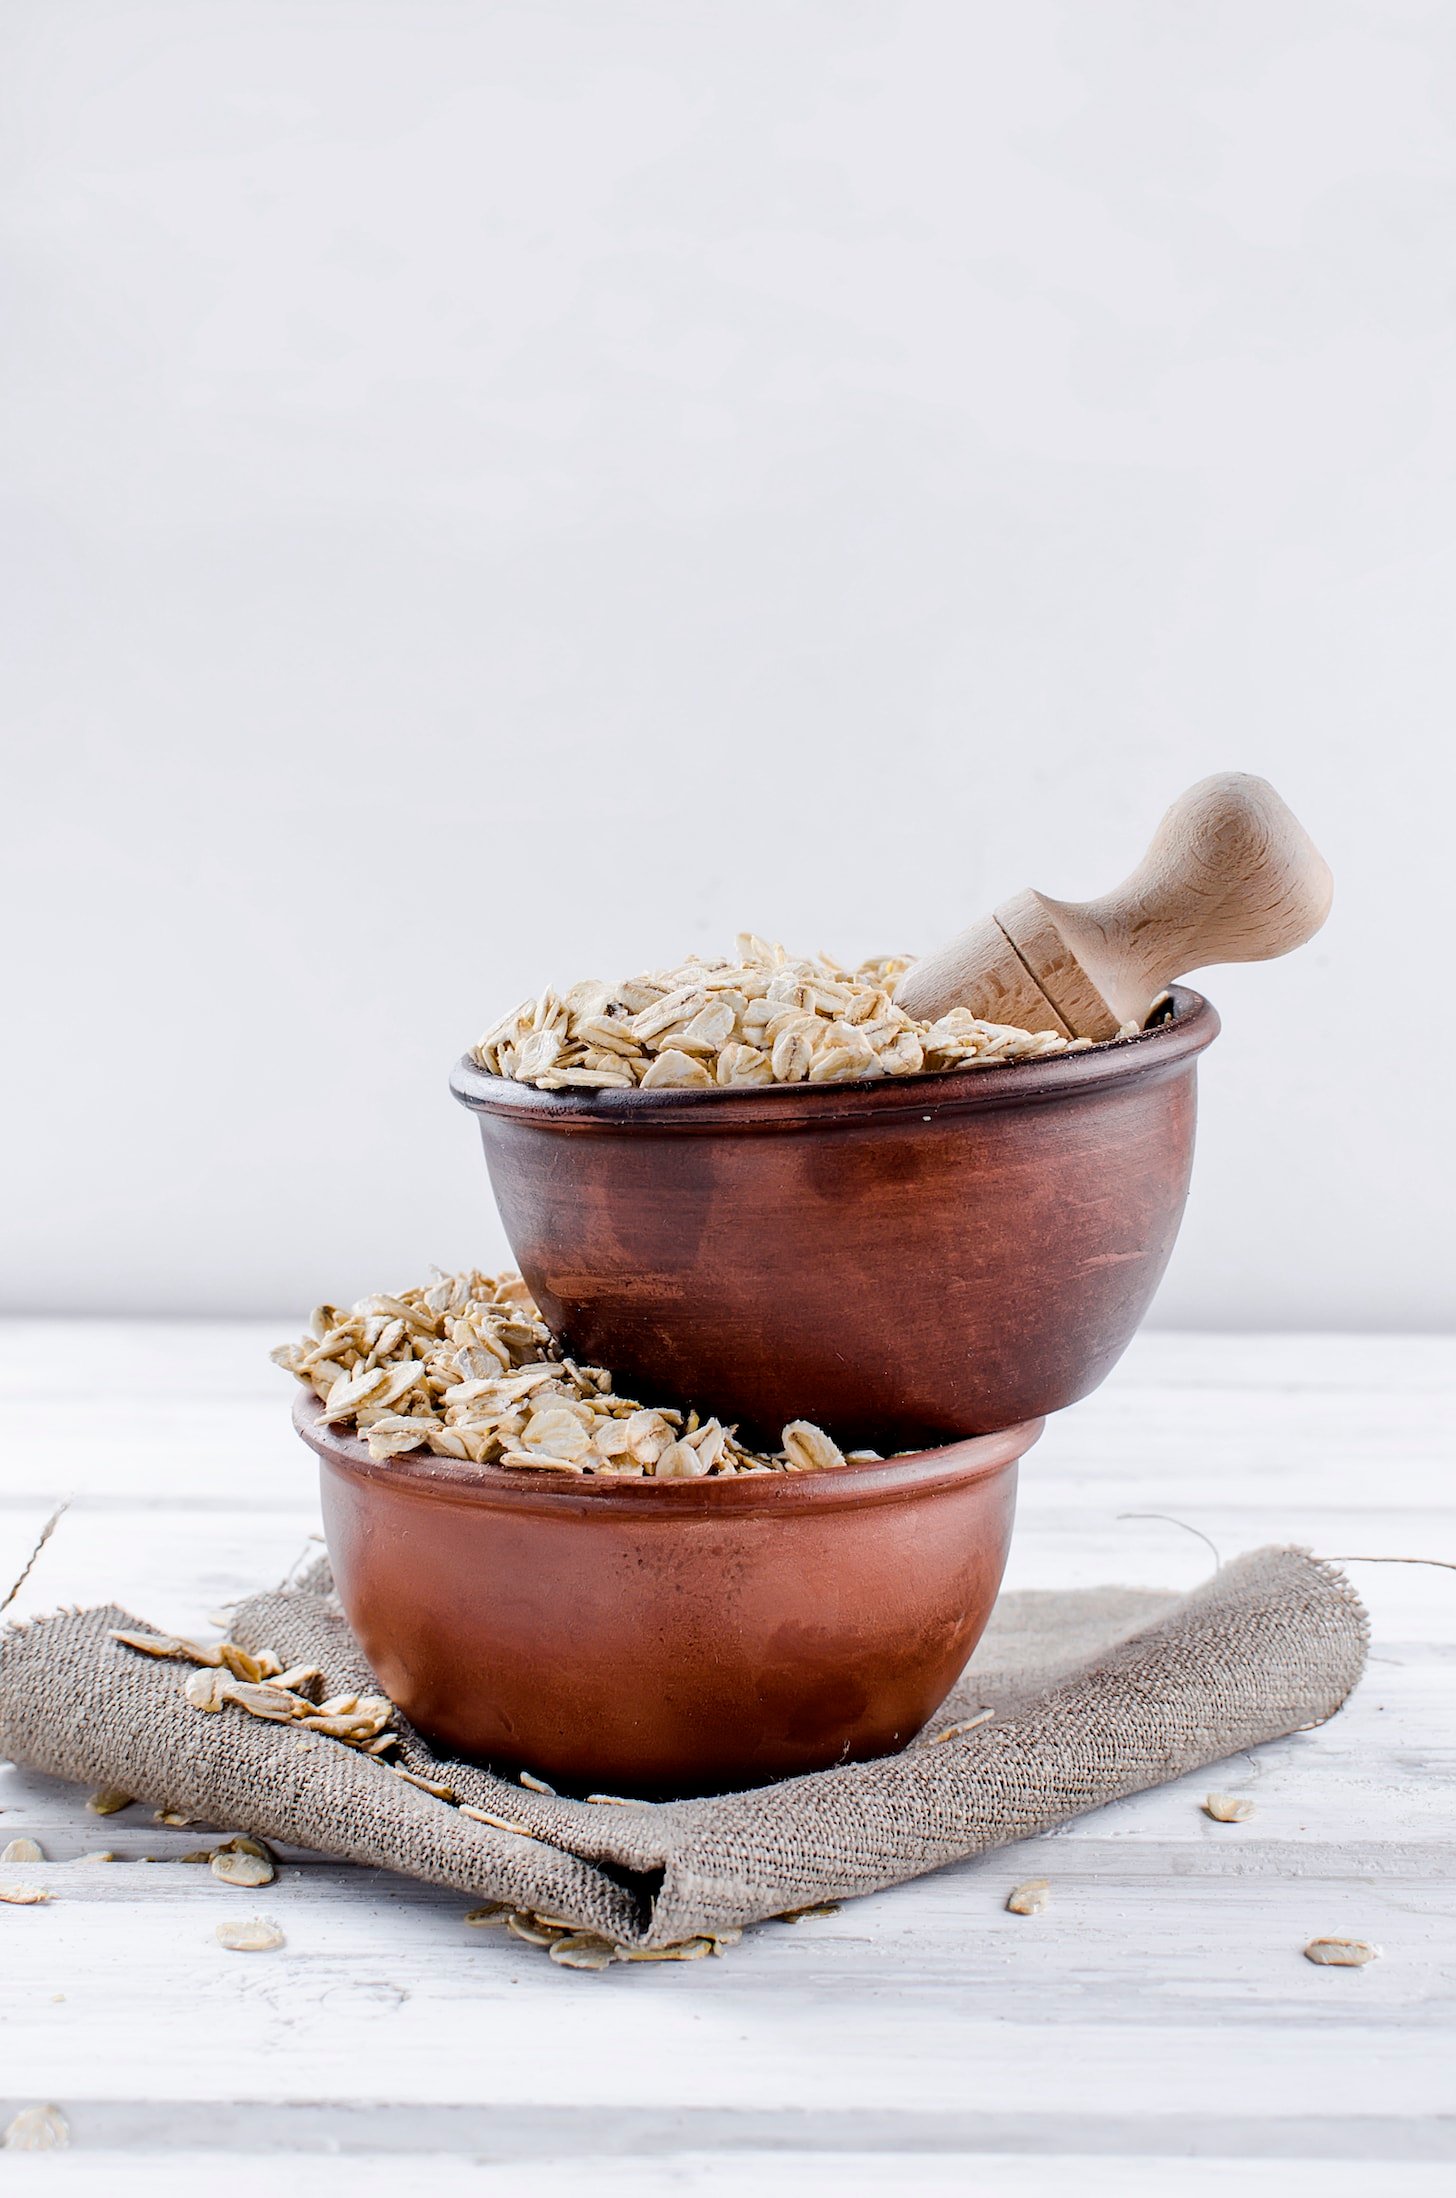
(1231, 876)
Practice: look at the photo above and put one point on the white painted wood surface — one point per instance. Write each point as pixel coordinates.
(1158, 2029)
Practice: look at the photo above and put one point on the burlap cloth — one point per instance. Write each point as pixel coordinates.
(1096, 1694)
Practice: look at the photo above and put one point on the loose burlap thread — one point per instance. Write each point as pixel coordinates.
(1095, 1694)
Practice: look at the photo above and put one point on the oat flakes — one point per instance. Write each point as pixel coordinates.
(231, 1867)
(1341, 1953)
(1228, 1808)
(37, 2129)
(257, 1936)
(467, 1369)
(760, 1017)
(108, 1801)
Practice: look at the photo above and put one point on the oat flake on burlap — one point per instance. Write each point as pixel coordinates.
(1096, 1694)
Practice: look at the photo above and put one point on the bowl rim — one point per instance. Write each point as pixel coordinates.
(1160, 1050)
(519, 1488)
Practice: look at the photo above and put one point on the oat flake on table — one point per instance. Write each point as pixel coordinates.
(37, 2129)
(256, 1936)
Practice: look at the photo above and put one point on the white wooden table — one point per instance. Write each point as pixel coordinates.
(1158, 2030)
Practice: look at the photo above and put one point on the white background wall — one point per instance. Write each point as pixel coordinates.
(500, 492)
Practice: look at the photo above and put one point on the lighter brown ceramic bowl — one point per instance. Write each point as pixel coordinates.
(904, 1262)
(646, 1637)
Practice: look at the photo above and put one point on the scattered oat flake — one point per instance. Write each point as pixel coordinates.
(534, 1784)
(573, 1946)
(1031, 1899)
(615, 1801)
(964, 1724)
(298, 1679)
(21, 1850)
(1341, 1953)
(109, 1800)
(1228, 1808)
(426, 1785)
(524, 1926)
(257, 1936)
(499, 1823)
(150, 1644)
(23, 1896)
(37, 2129)
(694, 1949)
(204, 1689)
(233, 1868)
(174, 1817)
(806, 1914)
(103, 1854)
(583, 1950)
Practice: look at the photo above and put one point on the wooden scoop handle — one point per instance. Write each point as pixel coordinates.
(1231, 876)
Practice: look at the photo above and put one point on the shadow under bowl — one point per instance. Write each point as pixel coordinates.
(653, 1638)
(903, 1262)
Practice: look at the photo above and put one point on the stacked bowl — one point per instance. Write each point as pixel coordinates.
(926, 1265)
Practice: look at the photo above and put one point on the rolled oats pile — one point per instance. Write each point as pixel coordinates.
(763, 1018)
(467, 1368)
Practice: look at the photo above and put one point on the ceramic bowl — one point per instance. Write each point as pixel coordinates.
(649, 1638)
(904, 1262)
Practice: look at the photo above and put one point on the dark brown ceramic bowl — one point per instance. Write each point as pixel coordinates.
(659, 1637)
(904, 1262)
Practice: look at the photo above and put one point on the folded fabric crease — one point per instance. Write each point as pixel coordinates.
(1095, 1695)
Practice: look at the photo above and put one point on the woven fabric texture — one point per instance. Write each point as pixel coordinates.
(1095, 1695)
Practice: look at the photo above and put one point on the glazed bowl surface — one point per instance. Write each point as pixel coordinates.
(650, 1638)
(904, 1262)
